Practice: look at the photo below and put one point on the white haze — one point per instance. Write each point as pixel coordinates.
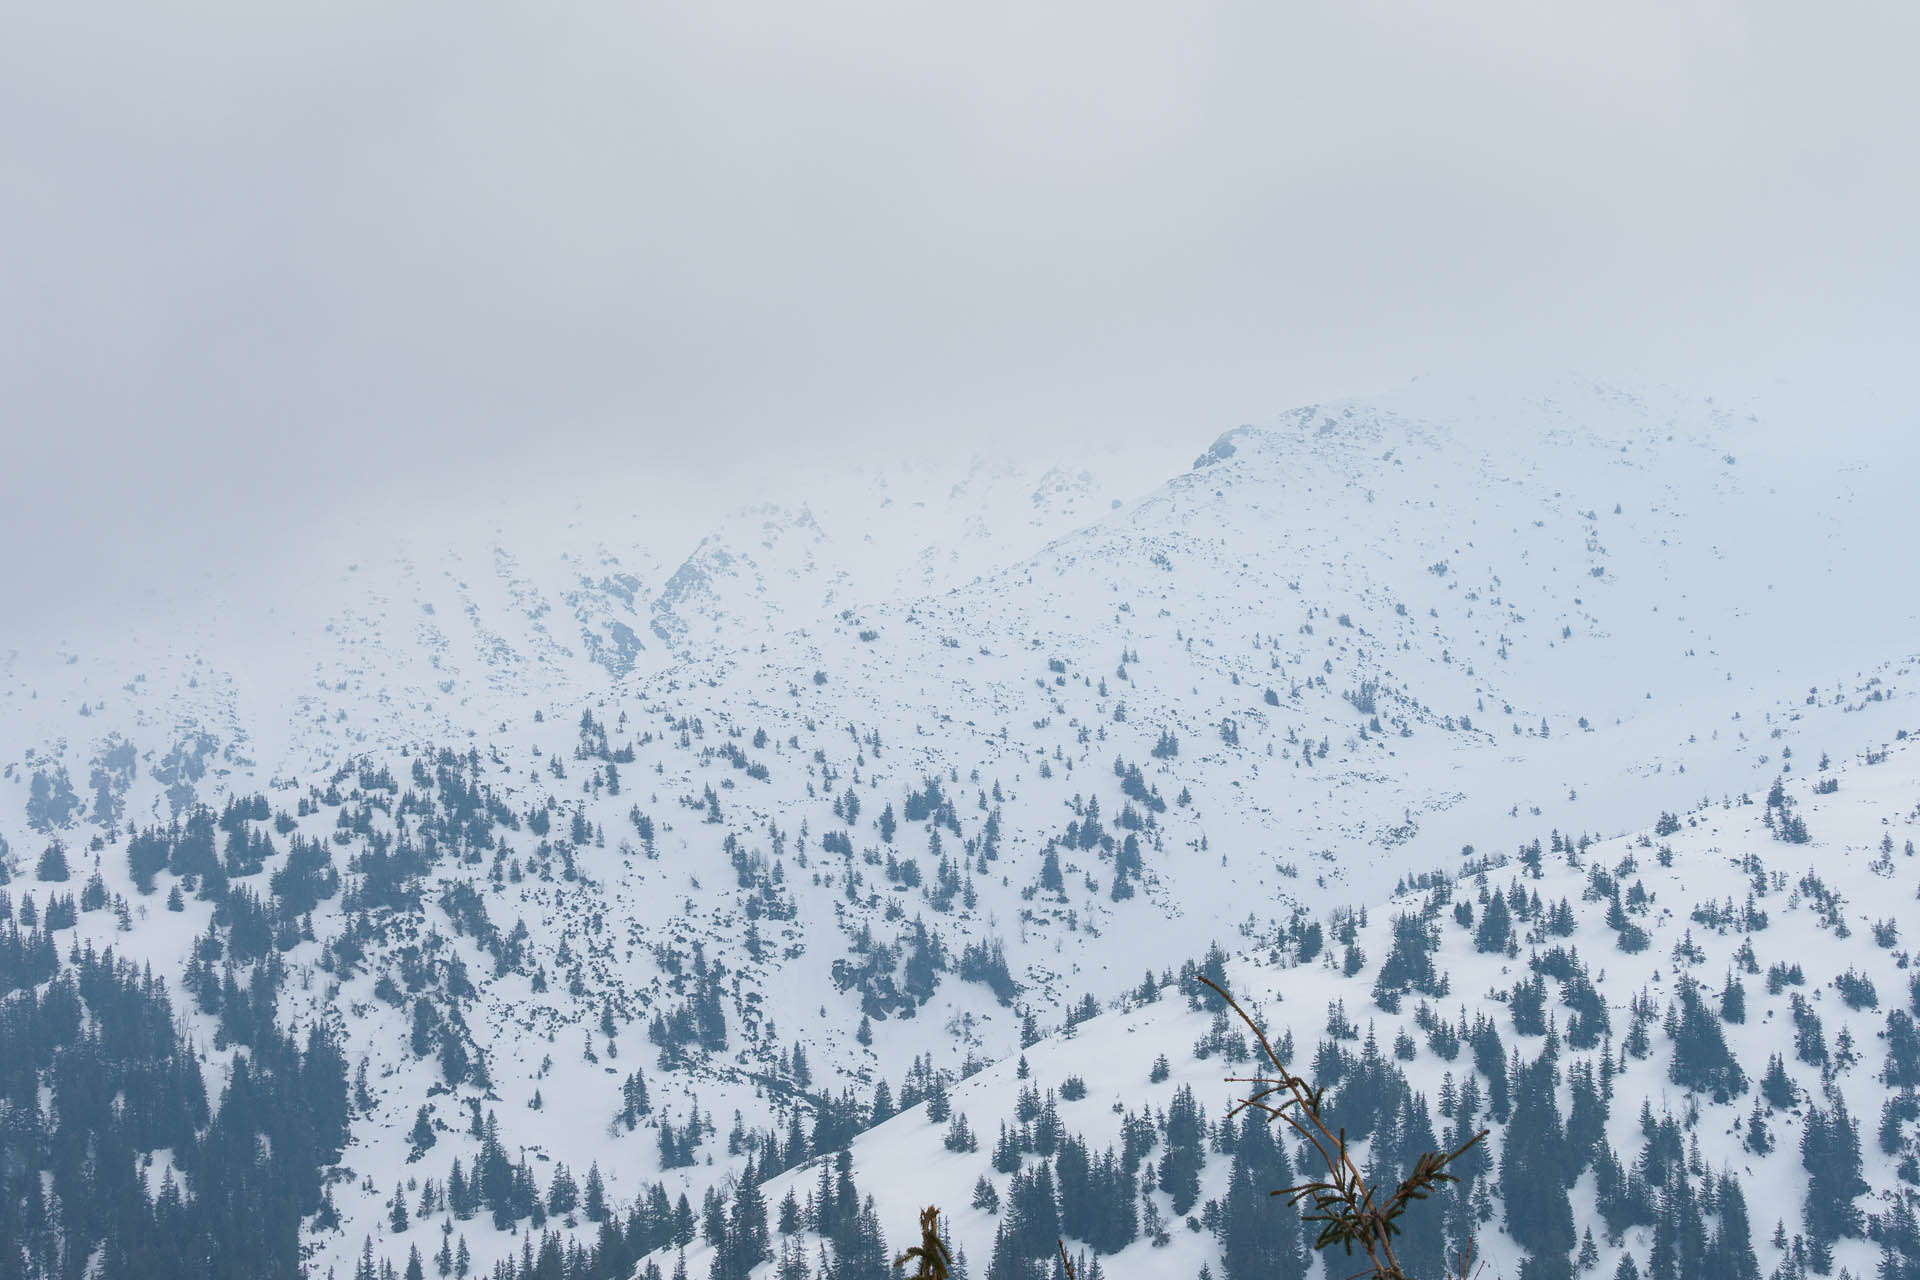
(275, 272)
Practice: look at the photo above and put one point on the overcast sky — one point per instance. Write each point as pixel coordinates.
(263, 262)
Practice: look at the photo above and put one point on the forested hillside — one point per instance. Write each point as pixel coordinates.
(555, 912)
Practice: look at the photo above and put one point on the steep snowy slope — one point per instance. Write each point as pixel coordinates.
(1814, 937)
(402, 633)
(879, 800)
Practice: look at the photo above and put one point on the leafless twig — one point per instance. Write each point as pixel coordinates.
(1351, 1213)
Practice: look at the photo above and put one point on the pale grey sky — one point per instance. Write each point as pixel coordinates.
(264, 262)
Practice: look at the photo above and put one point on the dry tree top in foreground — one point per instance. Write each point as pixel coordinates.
(1351, 1212)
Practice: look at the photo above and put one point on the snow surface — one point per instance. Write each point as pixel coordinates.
(1703, 591)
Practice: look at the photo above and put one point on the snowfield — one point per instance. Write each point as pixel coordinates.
(938, 776)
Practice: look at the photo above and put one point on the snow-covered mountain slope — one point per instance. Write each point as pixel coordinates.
(403, 634)
(891, 780)
(1814, 937)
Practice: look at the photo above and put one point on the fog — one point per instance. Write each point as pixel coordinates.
(270, 268)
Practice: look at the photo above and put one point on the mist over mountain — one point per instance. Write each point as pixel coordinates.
(554, 857)
(637, 641)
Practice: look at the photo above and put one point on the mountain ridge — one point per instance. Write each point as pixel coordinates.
(1329, 661)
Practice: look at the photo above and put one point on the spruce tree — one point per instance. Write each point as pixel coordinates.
(1775, 1087)
(1733, 1000)
(984, 1195)
(747, 1226)
(1180, 1163)
(1536, 1168)
(1902, 1069)
(1256, 1241)
(1422, 1240)
(1589, 1255)
(596, 1202)
(1758, 1139)
(1830, 1153)
(864, 1253)
(1073, 1183)
(1663, 1260)
(1701, 1060)
(1006, 1262)
(1033, 1213)
(52, 866)
(1732, 1256)
(563, 1194)
(421, 1137)
(1496, 926)
(1899, 1243)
